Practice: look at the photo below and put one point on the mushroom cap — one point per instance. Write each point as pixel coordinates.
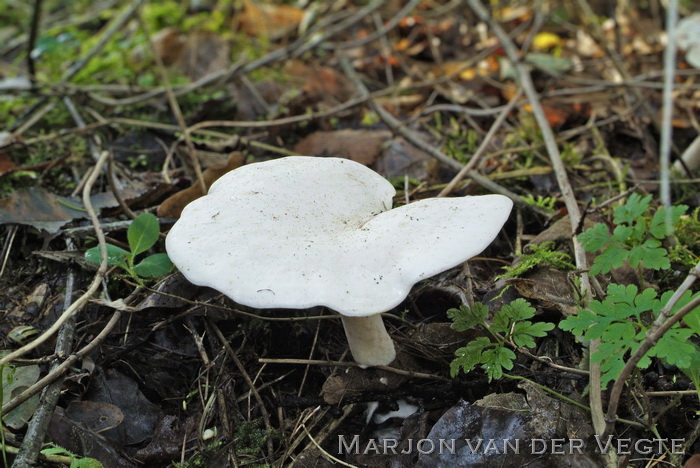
(302, 231)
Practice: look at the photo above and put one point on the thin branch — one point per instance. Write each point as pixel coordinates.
(317, 362)
(33, 34)
(667, 111)
(418, 142)
(484, 145)
(96, 281)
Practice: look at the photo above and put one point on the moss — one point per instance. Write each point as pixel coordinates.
(538, 255)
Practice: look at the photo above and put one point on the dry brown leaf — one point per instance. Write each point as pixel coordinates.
(169, 44)
(363, 146)
(204, 53)
(173, 205)
(319, 83)
(6, 163)
(271, 21)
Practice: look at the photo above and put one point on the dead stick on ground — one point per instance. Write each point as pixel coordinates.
(96, 281)
(316, 362)
(65, 365)
(662, 323)
(38, 425)
(567, 193)
(244, 373)
(174, 106)
(484, 144)
(418, 142)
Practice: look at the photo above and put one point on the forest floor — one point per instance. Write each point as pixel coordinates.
(572, 340)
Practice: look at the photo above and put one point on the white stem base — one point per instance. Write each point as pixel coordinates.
(369, 342)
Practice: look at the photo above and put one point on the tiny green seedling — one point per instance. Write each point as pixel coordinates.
(142, 235)
(76, 460)
(546, 203)
(509, 325)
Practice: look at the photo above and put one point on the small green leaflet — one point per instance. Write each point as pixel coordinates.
(509, 324)
(143, 233)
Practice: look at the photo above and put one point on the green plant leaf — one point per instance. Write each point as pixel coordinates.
(469, 356)
(657, 227)
(611, 358)
(143, 233)
(692, 319)
(622, 233)
(593, 239)
(650, 254)
(154, 265)
(86, 463)
(612, 257)
(675, 347)
(495, 360)
(524, 332)
(115, 255)
(632, 210)
(693, 370)
(578, 324)
(466, 318)
(519, 309)
(619, 331)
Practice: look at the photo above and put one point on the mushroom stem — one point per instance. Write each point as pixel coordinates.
(369, 342)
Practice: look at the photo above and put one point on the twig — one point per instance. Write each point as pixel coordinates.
(656, 331)
(38, 425)
(564, 398)
(317, 362)
(9, 240)
(241, 368)
(484, 144)
(33, 34)
(96, 281)
(115, 191)
(174, 106)
(667, 111)
(388, 26)
(418, 142)
(595, 29)
(65, 365)
(218, 393)
(326, 454)
(79, 64)
(566, 190)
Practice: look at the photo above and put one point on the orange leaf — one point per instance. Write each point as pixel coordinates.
(273, 21)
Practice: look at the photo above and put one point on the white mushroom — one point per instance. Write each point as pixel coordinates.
(302, 231)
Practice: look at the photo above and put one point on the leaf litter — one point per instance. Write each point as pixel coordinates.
(184, 374)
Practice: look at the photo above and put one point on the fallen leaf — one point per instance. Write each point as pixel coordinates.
(72, 436)
(140, 416)
(267, 20)
(550, 64)
(319, 83)
(403, 159)
(94, 415)
(204, 52)
(39, 208)
(6, 164)
(363, 146)
(169, 44)
(546, 41)
(22, 378)
(173, 205)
